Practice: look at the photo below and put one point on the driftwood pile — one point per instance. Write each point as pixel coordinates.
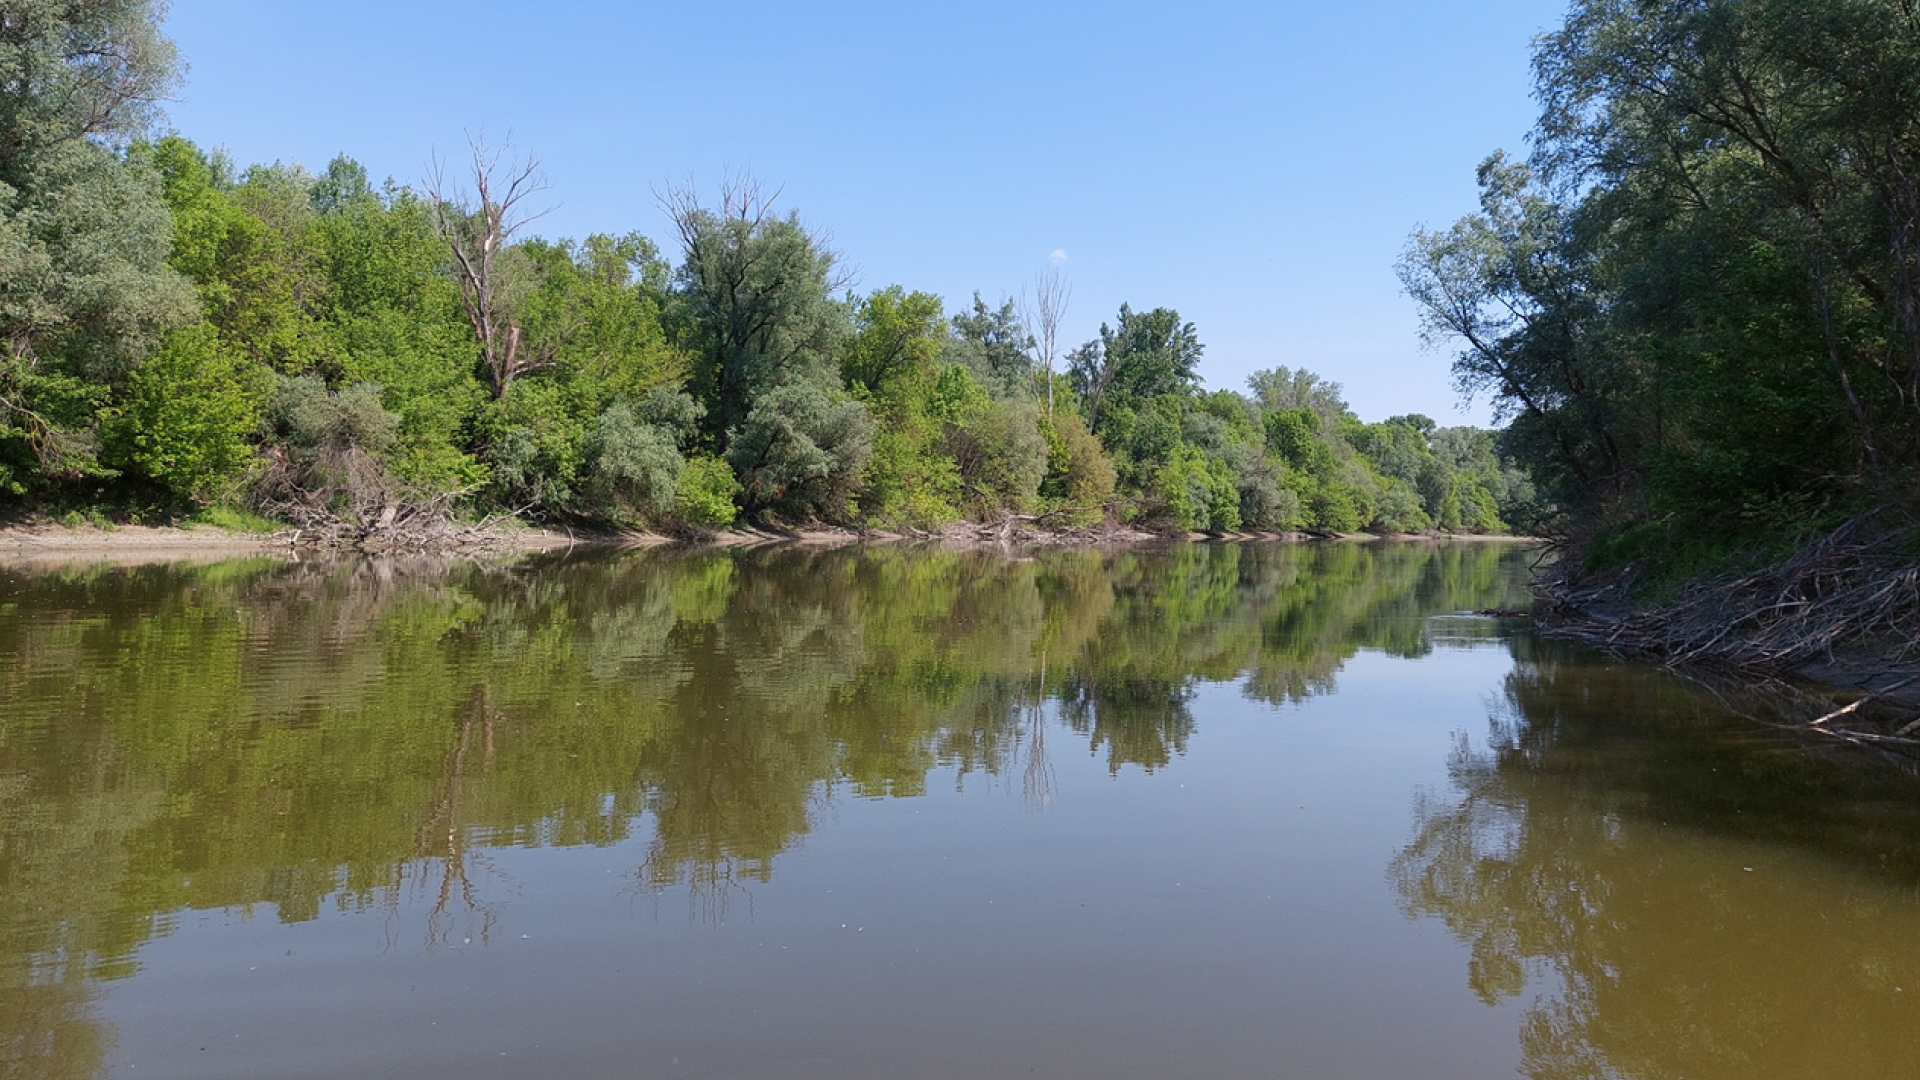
(346, 500)
(401, 525)
(1004, 530)
(1859, 585)
(1844, 609)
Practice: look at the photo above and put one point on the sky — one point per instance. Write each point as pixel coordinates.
(1255, 166)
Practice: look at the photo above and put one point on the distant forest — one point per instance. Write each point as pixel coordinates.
(184, 336)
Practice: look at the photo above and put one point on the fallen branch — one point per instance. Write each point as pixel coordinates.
(1781, 706)
(1880, 693)
(1858, 584)
(1002, 530)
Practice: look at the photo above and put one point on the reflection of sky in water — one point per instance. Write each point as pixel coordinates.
(1216, 916)
(907, 814)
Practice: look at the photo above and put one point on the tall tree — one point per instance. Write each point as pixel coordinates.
(1042, 310)
(85, 291)
(896, 333)
(72, 70)
(1515, 286)
(994, 342)
(1700, 300)
(755, 293)
(1143, 355)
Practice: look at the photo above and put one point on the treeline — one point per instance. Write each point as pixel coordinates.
(182, 333)
(1699, 301)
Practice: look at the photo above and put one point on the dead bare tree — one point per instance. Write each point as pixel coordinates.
(1041, 310)
(478, 226)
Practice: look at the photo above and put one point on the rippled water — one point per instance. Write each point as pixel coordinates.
(1209, 811)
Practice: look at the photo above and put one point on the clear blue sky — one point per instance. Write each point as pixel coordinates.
(1256, 166)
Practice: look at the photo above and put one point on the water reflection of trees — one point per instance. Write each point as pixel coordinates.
(360, 735)
(1687, 897)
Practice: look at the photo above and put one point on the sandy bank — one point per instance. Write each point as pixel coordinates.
(52, 545)
(46, 544)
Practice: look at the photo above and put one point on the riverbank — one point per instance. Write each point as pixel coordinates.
(62, 543)
(1841, 613)
(41, 544)
(54, 543)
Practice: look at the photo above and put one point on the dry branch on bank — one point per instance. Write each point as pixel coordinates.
(399, 526)
(344, 499)
(1859, 586)
(1003, 530)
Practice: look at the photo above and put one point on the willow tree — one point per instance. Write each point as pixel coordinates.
(755, 294)
(85, 291)
(754, 299)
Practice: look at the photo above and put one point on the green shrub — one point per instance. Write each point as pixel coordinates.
(1332, 507)
(707, 492)
(1079, 472)
(233, 519)
(1399, 511)
(635, 466)
(194, 408)
(312, 418)
(1000, 453)
(803, 450)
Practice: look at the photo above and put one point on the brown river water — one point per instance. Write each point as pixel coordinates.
(1211, 811)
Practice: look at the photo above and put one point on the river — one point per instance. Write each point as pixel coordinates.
(1207, 811)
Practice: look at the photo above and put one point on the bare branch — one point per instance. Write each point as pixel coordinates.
(479, 225)
(1042, 308)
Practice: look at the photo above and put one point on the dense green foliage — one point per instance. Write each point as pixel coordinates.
(85, 290)
(182, 334)
(1700, 301)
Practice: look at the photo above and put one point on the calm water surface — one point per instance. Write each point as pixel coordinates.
(1212, 812)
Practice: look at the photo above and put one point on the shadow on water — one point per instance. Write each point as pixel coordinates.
(1678, 892)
